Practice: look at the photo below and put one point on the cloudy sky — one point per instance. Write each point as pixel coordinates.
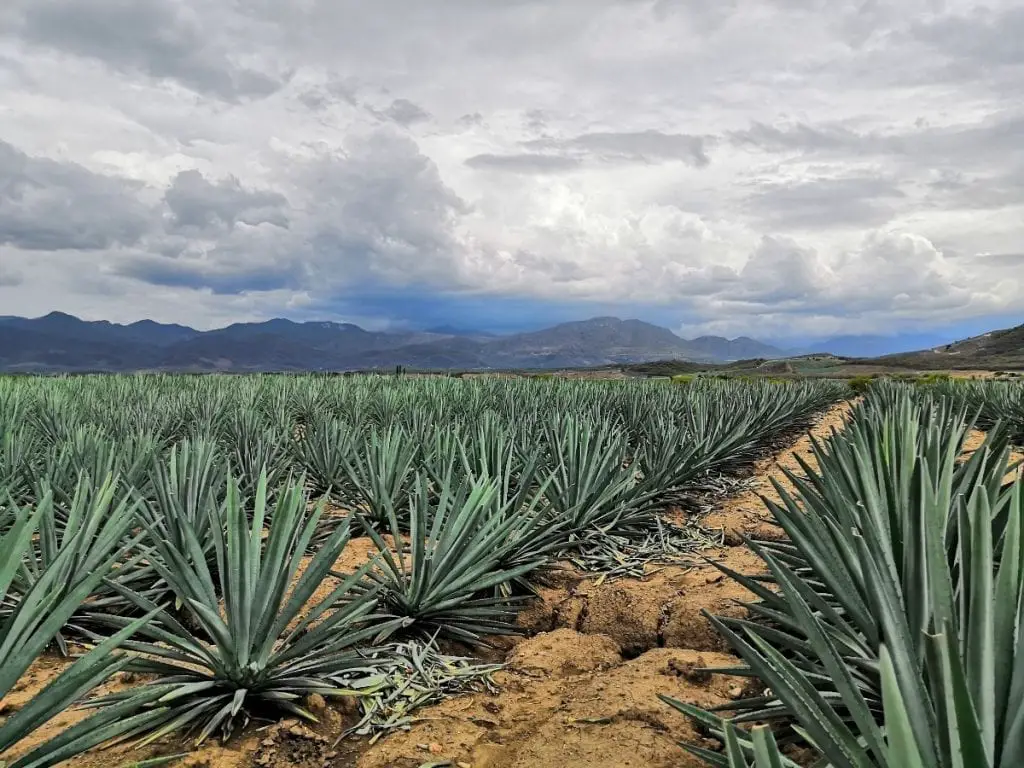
(779, 168)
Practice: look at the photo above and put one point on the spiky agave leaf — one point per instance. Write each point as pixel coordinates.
(754, 749)
(445, 584)
(96, 526)
(591, 489)
(20, 456)
(535, 533)
(39, 614)
(183, 489)
(322, 452)
(492, 450)
(670, 458)
(267, 648)
(88, 451)
(254, 447)
(894, 636)
(381, 473)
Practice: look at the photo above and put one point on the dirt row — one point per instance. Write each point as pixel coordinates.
(580, 690)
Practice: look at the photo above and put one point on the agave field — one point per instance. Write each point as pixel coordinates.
(238, 551)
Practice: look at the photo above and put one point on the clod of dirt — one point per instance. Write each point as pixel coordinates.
(628, 611)
(686, 627)
(560, 575)
(541, 613)
(294, 745)
(692, 671)
(563, 653)
(316, 704)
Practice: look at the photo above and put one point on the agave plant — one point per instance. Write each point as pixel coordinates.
(493, 450)
(19, 458)
(592, 490)
(64, 552)
(446, 583)
(756, 749)
(670, 458)
(381, 473)
(323, 451)
(261, 647)
(253, 448)
(894, 638)
(41, 612)
(184, 491)
(86, 451)
(535, 531)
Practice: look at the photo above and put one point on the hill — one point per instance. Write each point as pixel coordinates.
(995, 350)
(60, 342)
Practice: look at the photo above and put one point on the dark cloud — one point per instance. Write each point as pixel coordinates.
(48, 205)
(860, 201)
(524, 163)
(779, 271)
(978, 191)
(206, 273)
(801, 137)
(638, 147)
(536, 120)
(336, 91)
(986, 141)
(404, 112)
(977, 166)
(381, 208)
(470, 120)
(158, 38)
(201, 205)
(377, 211)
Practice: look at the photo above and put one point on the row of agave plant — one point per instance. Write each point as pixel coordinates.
(364, 440)
(992, 401)
(890, 632)
(193, 546)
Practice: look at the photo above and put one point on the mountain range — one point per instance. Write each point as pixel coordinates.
(60, 342)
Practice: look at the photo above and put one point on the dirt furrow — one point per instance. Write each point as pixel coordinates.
(582, 692)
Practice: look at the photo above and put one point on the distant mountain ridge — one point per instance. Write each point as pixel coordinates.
(61, 342)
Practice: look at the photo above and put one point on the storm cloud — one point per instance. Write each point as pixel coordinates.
(769, 168)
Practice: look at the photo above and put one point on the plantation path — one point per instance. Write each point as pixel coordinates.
(580, 693)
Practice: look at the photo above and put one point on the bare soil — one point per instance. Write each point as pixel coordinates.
(567, 699)
(580, 692)
(976, 438)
